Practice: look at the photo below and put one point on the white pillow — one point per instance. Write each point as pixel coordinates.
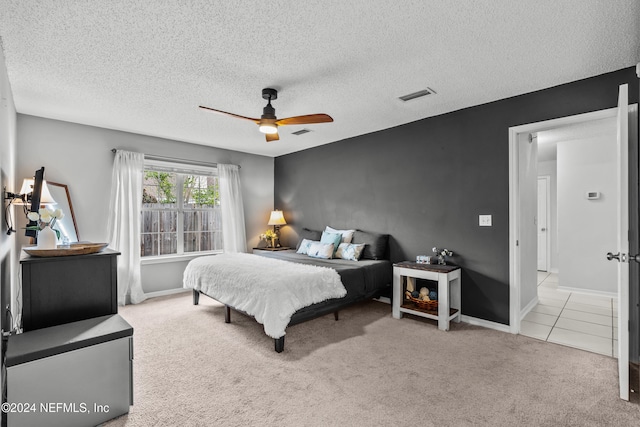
(321, 250)
(304, 246)
(347, 235)
(350, 251)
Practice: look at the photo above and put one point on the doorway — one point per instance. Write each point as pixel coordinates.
(574, 300)
(523, 233)
(577, 292)
(524, 210)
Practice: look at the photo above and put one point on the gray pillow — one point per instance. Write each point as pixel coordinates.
(312, 235)
(375, 244)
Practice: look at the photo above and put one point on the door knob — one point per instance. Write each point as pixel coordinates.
(611, 256)
(635, 258)
(543, 229)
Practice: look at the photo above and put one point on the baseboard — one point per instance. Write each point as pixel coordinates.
(529, 307)
(165, 293)
(485, 323)
(589, 292)
(385, 300)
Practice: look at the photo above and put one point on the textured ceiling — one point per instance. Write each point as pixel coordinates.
(144, 66)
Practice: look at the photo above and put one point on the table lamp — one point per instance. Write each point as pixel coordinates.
(277, 219)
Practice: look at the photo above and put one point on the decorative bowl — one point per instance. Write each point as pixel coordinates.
(73, 249)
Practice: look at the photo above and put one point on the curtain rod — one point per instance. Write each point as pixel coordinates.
(176, 159)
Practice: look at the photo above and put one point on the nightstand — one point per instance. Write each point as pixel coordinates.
(448, 278)
(281, 248)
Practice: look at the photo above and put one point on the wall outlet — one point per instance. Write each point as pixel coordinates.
(485, 220)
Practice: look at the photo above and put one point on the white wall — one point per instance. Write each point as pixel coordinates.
(80, 156)
(549, 168)
(8, 143)
(587, 228)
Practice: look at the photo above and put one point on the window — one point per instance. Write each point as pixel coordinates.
(180, 210)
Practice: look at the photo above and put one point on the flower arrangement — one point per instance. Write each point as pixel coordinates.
(441, 254)
(269, 236)
(45, 218)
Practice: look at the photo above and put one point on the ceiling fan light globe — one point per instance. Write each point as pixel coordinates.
(268, 128)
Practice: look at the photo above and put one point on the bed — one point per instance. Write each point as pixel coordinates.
(369, 277)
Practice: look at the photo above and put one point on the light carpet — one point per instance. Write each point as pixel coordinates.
(367, 369)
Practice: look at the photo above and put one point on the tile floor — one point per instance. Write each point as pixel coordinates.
(572, 319)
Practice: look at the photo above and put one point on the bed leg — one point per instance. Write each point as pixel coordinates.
(335, 315)
(279, 344)
(227, 314)
(196, 297)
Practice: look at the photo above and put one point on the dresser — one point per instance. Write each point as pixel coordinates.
(73, 364)
(58, 290)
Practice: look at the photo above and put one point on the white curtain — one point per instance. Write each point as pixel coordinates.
(124, 223)
(234, 236)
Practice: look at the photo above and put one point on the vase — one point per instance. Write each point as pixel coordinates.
(273, 242)
(47, 238)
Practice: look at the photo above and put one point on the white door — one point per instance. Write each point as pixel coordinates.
(543, 233)
(622, 249)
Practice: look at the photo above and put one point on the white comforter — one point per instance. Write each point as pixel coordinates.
(269, 289)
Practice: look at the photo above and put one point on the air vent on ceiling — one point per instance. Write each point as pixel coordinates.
(418, 94)
(300, 132)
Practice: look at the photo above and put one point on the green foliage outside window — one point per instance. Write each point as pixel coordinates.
(197, 194)
(197, 190)
(165, 185)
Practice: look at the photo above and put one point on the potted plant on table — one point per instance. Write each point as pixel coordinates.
(271, 237)
(45, 219)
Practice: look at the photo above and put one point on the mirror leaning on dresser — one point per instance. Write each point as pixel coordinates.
(67, 225)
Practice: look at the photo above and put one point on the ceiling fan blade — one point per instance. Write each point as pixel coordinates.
(304, 120)
(272, 136)
(229, 114)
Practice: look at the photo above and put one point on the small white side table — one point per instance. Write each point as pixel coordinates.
(448, 278)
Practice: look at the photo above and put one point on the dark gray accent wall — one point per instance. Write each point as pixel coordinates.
(426, 182)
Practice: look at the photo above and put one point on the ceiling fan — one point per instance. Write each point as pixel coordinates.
(269, 123)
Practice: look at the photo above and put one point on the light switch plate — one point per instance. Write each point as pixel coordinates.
(485, 220)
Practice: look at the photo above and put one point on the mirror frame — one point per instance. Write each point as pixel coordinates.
(73, 217)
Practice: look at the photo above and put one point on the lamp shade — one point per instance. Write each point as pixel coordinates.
(45, 195)
(27, 186)
(276, 218)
